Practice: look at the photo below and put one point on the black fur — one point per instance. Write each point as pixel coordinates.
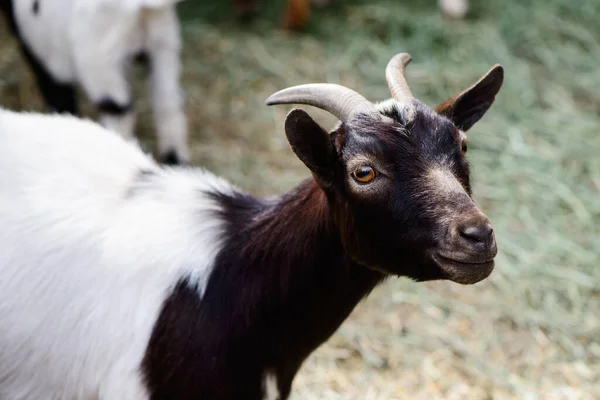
(35, 8)
(6, 6)
(109, 106)
(398, 210)
(170, 158)
(142, 58)
(60, 97)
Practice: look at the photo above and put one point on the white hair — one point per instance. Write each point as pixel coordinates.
(454, 8)
(117, 233)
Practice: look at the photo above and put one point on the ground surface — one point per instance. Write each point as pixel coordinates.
(530, 331)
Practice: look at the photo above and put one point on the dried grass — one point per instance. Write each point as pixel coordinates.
(530, 331)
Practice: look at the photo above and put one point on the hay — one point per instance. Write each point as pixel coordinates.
(533, 329)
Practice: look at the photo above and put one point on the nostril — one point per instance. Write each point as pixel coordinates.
(477, 234)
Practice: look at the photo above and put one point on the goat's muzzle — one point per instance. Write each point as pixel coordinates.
(468, 254)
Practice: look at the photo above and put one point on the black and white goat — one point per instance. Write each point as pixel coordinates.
(120, 279)
(93, 43)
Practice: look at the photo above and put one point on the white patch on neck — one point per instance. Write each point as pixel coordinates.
(270, 389)
(444, 179)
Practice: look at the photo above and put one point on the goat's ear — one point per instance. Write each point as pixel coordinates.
(468, 106)
(311, 144)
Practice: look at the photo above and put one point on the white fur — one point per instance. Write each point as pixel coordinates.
(270, 390)
(454, 8)
(407, 109)
(89, 253)
(92, 42)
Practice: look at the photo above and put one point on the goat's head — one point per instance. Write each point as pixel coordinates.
(396, 176)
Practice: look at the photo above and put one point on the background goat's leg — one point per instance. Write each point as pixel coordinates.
(163, 47)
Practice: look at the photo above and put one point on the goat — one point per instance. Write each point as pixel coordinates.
(93, 43)
(121, 279)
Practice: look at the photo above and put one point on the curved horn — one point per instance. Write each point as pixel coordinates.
(336, 99)
(394, 74)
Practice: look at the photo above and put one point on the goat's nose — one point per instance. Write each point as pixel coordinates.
(477, 234)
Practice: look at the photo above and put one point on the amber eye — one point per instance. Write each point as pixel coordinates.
(363, 174)
(463, 147)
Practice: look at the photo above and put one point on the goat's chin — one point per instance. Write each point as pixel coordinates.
(461, 272)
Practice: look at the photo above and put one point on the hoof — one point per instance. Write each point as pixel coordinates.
(172, 158)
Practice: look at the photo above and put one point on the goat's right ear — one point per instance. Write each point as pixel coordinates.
(468, 106)
(311, 144)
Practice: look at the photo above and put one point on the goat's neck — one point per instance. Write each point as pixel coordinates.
(298, 246)
(296, 284)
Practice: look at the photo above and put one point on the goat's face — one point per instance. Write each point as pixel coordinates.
(398, 184)
(402, 196)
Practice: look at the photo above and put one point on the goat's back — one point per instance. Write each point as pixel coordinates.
(94, 234)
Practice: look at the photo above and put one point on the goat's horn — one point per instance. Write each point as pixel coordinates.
(394, 74)
(338, 100)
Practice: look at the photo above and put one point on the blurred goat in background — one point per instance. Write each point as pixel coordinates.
(93, 43)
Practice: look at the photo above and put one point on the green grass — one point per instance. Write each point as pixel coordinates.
(530, 331)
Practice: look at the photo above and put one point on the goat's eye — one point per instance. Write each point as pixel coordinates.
(463, 148)
(363, 174)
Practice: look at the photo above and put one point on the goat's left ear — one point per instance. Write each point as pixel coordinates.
(311, 144)
(468, 106)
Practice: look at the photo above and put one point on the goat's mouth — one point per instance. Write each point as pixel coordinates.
(464, 271)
